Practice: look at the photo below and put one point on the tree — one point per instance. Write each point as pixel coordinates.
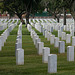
(72, 10)
(14, 7)
(1, 5)
(53, 7)
(31, 6)
(67, 4)
(20, 7)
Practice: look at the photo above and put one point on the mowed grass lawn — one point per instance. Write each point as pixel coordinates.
(32, 61)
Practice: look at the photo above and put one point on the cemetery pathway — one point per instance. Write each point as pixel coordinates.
(33, 62)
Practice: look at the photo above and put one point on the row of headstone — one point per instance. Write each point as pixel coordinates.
(3, 38)
(12, 21)
(19, 52)
(54, 25)
(3, 20)
(68, 20)
(55, 40)
(3, 26)
(64, 36)
(70, 53)
(29, 27)
(45, 52)
(61, 44)
(11, 27)
(5, 34)
(38, 27)
(35, 20)
(61, 34)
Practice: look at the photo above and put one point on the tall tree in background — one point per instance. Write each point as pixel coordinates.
(72, 10)
(20, 7)
(1, 4)
(53, 7)
(14, 7)
(31, 6)
(67, 4)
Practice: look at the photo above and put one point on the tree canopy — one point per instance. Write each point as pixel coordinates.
(20, 7)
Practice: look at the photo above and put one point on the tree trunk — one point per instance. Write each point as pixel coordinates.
(58, 19)
(64, 16)
(74, 27)
(27, 18)
(20, 17)
(23, 22)
(55, 16)
(73, 15)
(33, 16)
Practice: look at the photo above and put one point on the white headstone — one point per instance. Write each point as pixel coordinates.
(51, 29)
(64, 27)
(52, 63)
(36, 42)
(61, 47)
(68, 38)
(61, 28)
(19, 56)
(63, 36)
(34, 39)
(1, 37)
(46, 51)
(48, 36)
(59, 33)
(70, 53)
(52, 39)
(40, 48)
(31, 33)
(46, 33)
(56, 42)
(72, 32)
(73, 41)
(17, 45)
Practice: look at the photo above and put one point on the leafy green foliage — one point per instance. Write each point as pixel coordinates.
(21, 6)
(52, 5)
(67, 3)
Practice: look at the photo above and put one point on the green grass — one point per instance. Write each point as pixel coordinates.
(2, 31)
(55, 33)
(32, 61)
(67, 32)
(64, 67)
